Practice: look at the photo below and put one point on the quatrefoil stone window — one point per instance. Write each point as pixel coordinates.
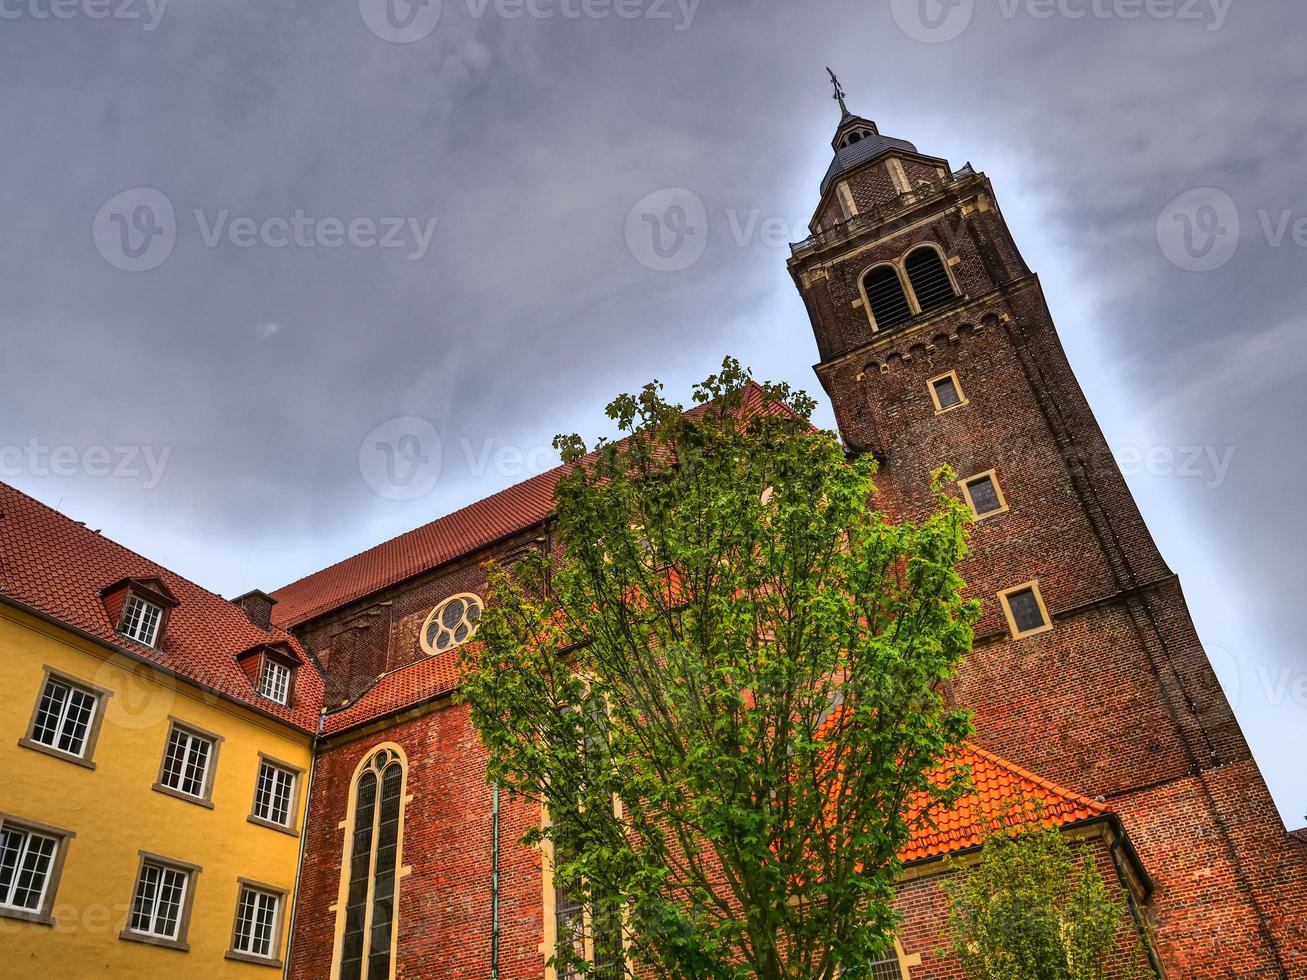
(451, 623)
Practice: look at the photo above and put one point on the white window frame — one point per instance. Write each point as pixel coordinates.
(274, 681)
(247, 946)
(166, 869)
(91, 730)
(190, 736)
(264, 814)
(24, 850)
(136, 613)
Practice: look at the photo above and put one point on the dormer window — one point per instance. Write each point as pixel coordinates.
(141, 620)
(140, 609)
(274, 681)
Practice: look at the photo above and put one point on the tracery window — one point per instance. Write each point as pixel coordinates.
(370, 871)
(451, 623)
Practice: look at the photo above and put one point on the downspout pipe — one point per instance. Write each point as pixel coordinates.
(304, 841)
(494, 885)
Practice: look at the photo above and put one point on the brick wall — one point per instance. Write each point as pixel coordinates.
(445, 902)
(922, 903)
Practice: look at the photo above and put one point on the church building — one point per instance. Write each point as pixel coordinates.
(1090, 687)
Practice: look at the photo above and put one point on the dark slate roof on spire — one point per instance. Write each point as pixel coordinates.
(848, 157)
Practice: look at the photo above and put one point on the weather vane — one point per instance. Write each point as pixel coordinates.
(839, 90)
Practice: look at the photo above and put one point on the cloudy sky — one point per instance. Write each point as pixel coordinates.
(242, 244)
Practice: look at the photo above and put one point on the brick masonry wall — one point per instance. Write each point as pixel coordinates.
(923, 905)
(378, 635)
(445, 902)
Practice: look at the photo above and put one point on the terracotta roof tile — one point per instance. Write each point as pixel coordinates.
(59, 567)
(1001, 788)
(411, 685)
(449, 537)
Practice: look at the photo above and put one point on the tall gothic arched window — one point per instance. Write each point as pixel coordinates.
(889, 304)
(370, 870)
(929, 278)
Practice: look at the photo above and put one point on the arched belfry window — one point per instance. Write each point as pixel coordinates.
(929, 278)
(889, 304)
(370, 870)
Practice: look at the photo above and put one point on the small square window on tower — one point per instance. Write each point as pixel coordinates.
(984, 495)
(946, 392)
(1023, 605)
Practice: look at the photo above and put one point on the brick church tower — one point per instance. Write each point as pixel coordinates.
(937, 347)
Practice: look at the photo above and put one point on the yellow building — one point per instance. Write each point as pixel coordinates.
(155, 744)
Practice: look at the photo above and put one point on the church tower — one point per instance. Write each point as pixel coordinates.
(937, 347)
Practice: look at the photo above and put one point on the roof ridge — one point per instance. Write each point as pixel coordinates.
(414, 530)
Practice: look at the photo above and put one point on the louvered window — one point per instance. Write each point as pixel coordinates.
(929, 278)
(889, 304)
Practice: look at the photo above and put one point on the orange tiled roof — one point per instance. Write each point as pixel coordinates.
(1001, 789)
(461, 533)
(416, 683)
(59, 567)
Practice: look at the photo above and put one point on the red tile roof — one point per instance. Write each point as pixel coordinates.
(59, 567)
(1001, 789)
(414, 684)
(461, 533)
(457, 534)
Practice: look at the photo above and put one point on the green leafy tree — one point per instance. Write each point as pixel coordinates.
(1031, 911)
(724, 690)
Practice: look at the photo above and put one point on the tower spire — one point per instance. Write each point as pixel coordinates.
(839, 92)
